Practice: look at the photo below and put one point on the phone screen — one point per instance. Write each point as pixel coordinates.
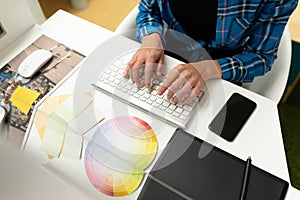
(233, 115)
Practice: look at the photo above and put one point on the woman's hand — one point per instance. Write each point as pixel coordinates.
(185, 81)
(150, 55)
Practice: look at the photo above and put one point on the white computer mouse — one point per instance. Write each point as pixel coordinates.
(33, 62)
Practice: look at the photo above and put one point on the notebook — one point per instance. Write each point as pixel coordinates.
(180, 174)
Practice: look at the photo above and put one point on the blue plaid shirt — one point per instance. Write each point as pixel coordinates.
(255, 24)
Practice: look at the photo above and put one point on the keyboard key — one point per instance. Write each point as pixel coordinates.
(154, 92)
(176, 114)
(165, 104)
(113, 74)
(156, 81)
(128, 87)
(142, 98)
(153, 98)
(105, 76)
(155, 104)
(136, 95)
(188, 107)
(185, 113)
(134, 89)
(111, 79)
(114, 68)
(149, 101)
(159, 100)
(112, 84)
(182, 117)
(179, 110)
(118, 87)
(116, 82)
(146, 95)
(169, 110)
(108, 71)
(172, 107)
(179, 104)
(124, 90)
(141, 92)
(162, 107)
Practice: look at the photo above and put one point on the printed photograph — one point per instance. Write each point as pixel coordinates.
(29, 76)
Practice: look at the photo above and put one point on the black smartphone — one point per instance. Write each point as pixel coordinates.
(232, 116)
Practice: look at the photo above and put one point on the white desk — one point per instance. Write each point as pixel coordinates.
(261, 136)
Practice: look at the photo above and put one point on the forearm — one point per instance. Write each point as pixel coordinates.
(148, 19)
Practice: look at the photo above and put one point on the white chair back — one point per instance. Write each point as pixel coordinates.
(272, 84)
(128, 25)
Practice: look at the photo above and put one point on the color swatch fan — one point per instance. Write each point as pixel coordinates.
(118, 153)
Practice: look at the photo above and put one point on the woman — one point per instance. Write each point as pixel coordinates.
(240, 36)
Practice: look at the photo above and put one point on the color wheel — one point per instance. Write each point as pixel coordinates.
(118, 153)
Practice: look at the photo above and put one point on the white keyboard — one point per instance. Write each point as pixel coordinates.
(113, 83)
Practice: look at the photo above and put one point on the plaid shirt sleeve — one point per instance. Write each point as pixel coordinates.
(262, 44)
(149, 19)
(263, 35)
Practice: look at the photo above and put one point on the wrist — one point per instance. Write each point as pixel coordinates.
(152, 41)
(209, 69)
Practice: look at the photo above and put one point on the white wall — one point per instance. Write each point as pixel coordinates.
(37, 13)
(16, 19)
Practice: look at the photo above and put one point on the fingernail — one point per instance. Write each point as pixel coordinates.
(175, 100)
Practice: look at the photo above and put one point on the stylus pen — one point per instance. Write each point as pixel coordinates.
(246, 179)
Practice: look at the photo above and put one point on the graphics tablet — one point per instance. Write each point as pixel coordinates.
(181, 174)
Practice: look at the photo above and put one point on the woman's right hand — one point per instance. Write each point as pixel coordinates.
(150, 56)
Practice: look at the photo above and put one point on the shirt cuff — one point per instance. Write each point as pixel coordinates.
(147, 30)
(233, 71)
(227, 68)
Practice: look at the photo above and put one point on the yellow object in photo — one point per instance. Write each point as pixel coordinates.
(23, 98)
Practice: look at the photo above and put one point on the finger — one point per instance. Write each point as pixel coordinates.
(170, 78)
(131, 75)
(134, 71)
(160, 66)
(148, 73)
(183, 93)
(195, 92)
(126, 72)
(136, 75)
(129, 66)
(176, 85)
